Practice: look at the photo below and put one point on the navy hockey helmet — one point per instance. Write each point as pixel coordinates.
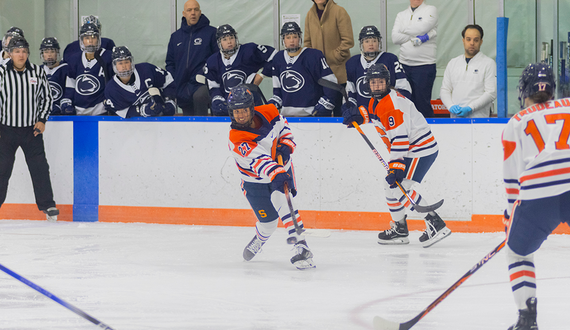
(536, 78)
(18, 42)
(227, 30)
(12, 32)
(291, 28)
(89, 30)
(49, 58)
(378, 71)
(92, 19)
(367, 32)
(241, 97)
(121, 53)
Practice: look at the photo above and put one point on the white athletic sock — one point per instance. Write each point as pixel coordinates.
(265, 229)
(522, 277)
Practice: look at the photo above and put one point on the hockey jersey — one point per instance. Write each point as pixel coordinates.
(57, 77)
(536, 161)
(74, 47)
(125, 99)
(224, 74)
(356, 68)
(254, 149)
(295, 86)
(85, 84)
(402, 127)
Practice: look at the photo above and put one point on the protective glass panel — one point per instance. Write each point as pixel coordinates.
(29, 16)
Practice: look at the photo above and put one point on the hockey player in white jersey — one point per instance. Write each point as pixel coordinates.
(141, 90)
(88, 74)
(536, 167)
(257, 136)
(56, 71)
(296, 71)
(4, 53)
(235, 64)
(412, 147)
(370, 42)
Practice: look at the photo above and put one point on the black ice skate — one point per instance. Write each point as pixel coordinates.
(51, 214)
(304, 257)
(435, 231)
(397, 234)
(252, 248)
(527, 317)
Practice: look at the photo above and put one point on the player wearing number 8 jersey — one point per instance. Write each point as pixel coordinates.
(257, 136)
(536, 172)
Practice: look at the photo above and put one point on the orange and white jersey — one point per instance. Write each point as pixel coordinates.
(402, 127)
(254, 149)
(536, 160)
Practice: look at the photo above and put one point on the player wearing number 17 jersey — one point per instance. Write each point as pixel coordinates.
(258, 136)
(536, 172)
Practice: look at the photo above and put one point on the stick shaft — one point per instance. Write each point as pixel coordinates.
(298, 228)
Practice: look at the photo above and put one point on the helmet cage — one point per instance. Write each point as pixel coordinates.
(223, 31)
(378, 71)
(89, 30)
(120, 54)
(50, 43)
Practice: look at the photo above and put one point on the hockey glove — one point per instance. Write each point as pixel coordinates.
(351, 113)
(67, 109)
(279, 181)
(506, 220)
(219, 107)
(285, 150)
(454, 109)
(323, 108)
(396, 173)
(464, 112)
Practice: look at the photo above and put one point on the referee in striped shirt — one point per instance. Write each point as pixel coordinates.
(25, 104)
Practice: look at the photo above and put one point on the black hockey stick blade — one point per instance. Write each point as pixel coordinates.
(333, 86)
(428, 208)
(383, 324)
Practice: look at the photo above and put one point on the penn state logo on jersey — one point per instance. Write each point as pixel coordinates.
(87, 84)
(362, 89)
(56, 90)
(233, 78)
(143, 98)
(291, 81)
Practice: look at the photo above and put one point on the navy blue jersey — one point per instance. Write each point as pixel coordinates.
(57, 77)
(85, 85)
(224, 74)
(295, 86)
(356, 71)
(75, 48)
(125, 99)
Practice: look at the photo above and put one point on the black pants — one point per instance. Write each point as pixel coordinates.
(421, 79)
(200, 103)
(11, 138)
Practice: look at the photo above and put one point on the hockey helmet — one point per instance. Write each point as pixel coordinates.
(227, 30)
(18, 42)
(92, 19)
(291, 28)
(49, 43)
(12, 32)
(378, 71)
(241, 97)
(536, 78)
(370, 31)
(89, 30)
(121, 53)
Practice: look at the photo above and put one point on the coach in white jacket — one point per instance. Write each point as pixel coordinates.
(469, 84)
(415, 30)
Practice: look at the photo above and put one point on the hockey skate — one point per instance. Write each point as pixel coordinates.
(436, 230)
(527, 317)
(252, 248)
(397, 234)
(51, 214)
(304, 257)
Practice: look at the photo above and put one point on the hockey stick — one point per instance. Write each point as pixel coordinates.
(48, 294)
(417, 207)
(333, 86)
(298, 229)
(382, 324)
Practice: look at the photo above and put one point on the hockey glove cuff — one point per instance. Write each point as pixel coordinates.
(351, 113)
(396, 173)
(285, 148)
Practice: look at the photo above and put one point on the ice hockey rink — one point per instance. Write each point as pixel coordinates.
(146, 276)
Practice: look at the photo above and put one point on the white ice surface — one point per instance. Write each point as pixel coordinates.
(141, 276)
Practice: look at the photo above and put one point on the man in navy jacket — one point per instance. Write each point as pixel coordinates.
(188, 49)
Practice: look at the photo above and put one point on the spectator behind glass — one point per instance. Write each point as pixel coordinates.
(188, 49)
(233, 65)
(328, 28)
(56, 71)
(74, 47)
(469, 84)
(141, 90)
(415, 31)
